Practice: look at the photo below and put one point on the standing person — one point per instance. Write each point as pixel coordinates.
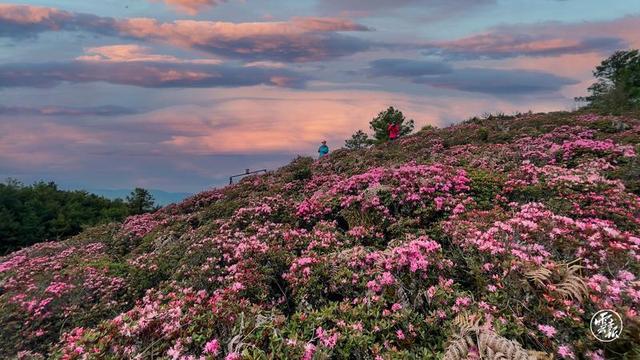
(393, 130)
(323, 150)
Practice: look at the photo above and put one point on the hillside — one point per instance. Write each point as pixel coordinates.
(497, 235)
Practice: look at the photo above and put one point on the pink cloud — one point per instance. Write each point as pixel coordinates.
(28, 144)
(192, 7)
(543, 39)
(135, 53)
(438, 9)
(300, 39)
(136, 66)
(26, 14)
(263, 120)
(297, 40)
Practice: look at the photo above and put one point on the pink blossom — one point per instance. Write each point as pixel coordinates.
(212, 347)
(548, 330)
(327, 340)
(596, 355)
(565, 352)
(233, 356)
(309, 351)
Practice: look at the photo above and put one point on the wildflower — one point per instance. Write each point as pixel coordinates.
(212, 347)
(176, 351)
(548, 330)
(431, 291)
(387, 279)
(237, 286)
(309, 350)
(327, 340)
(292, 342)
(565, 352)
(596, 355)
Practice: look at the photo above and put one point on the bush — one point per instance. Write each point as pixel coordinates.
(395, 251)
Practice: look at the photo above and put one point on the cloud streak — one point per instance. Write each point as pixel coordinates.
(21, 21)
(145, 74)
(480, 80)
(501, 46)
(406, 68)
(192, 7)
(497, 82)
(541, 40)
(300, 39)
(135, 53)
(107, 110)
(436, 8)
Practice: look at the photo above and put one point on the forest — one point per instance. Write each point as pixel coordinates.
(42, 211)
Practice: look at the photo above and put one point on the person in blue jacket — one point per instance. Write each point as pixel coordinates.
(323, 150)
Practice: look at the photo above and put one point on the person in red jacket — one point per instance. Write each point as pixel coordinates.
(393, 130)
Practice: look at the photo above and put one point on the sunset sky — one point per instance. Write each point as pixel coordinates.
(179, 94)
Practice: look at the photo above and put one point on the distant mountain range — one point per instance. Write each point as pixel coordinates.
(161, 197)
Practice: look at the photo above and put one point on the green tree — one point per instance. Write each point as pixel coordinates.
(618, 83)
(381, 122)
(358, 140)
(40, 212)
(140, 201)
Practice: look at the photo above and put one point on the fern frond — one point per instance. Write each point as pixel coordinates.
(459, 348)
(539, 276)
(490, 342)
(573, 286)
(539, 355)
(467, 322)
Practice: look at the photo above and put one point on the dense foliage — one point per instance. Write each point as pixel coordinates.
(380, 123)
(380, 127)
(618, 83)
(40, 212)
(359, 140)
(500, 235)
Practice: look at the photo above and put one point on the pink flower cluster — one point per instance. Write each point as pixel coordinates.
(370, 254)
(409, 184)
(141, 225)
(45, 281)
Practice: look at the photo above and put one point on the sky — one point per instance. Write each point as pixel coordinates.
(180, 94)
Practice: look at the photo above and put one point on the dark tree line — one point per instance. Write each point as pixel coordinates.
(40, 212)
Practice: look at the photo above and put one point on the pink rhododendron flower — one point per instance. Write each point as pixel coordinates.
(309, 351)
(548, 330)
(212, 347)
(565, 352)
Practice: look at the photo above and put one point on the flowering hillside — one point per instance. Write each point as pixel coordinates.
(495, 237)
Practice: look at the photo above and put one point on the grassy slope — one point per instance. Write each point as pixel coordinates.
(222, 238)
